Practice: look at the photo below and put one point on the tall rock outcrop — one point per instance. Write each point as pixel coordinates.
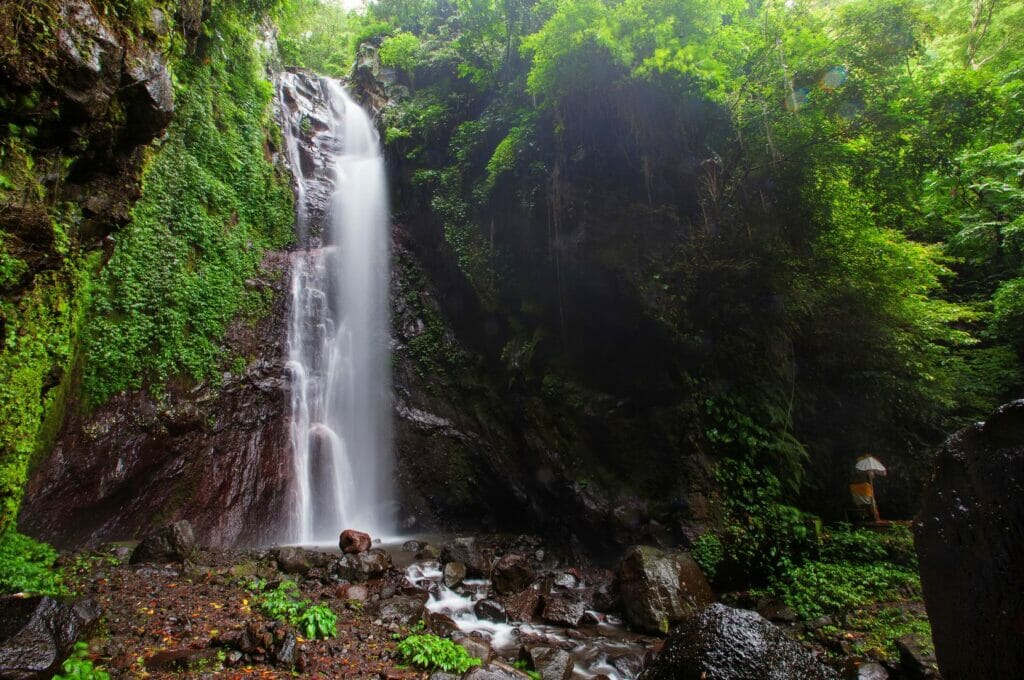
(970, 540)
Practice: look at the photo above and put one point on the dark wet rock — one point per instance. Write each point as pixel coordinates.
(968, 536)
(149, 93)
(293, 561)
(286, 652)
(92, 54)
(627, 665)
(490, 611)
(413, 546)
(722, 643)
(658, 589)
(523, 606)
(511, 573)
(174, 543)
(777, 611)
(551, 662)
(441, 675)
(454, 574)
(439, 624)
(352, 541)
(364, 566)
(114, 469)
(563, 610)
(918, 661)
(495, 670)
(38, 633)
(406, 610)
(466, 550)
(476, 647)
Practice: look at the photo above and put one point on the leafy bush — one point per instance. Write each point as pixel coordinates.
(79, 666)
(27, 566)
(400, 51)
(818, 588)
(707, 553)
(432, 652)
(843, 544)
(318, 621)
(315, 621)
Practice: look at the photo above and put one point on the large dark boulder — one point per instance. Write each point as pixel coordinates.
(511, 574)
(722, 643)
(969, 537)
(174, 543)
(658, 588)
(38, 633)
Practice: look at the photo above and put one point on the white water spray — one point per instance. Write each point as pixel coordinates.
(338, 338)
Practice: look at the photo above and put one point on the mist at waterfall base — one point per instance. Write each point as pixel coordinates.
(338, 337)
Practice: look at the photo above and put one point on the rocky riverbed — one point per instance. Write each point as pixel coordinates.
(165, 608)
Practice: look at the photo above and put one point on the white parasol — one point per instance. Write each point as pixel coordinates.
(870, 465)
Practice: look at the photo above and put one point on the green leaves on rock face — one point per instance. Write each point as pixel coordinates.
(211, 205)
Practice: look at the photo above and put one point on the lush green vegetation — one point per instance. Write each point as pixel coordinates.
(210, 207)
(26, 566)
(80, 667)
(314, 621)
(431, 652)
(76, 328)
(838, 271)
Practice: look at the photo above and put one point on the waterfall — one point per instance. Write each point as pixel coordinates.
(338, 336)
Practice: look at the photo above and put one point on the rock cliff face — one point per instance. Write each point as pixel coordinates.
(215, 455)
(970, 540)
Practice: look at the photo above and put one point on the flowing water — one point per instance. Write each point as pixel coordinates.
(338, 336)
(604, 649)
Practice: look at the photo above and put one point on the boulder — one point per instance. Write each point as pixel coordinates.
(439, 624)
(352, 541)
(364, 566)
(467, 550)
(563, 610)
(969, 537)
(454, 574)
(722, 643)
(524, 606)
(38, 633)
(551, 662)
(868, 671)
(293, 561)
(495, 670)
(659, 588)
(489, 610)
(476, 647)
(174, 543)
(406, 610)
(511, 574)
(916, 659)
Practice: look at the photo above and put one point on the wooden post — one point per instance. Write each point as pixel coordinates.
(874, 505)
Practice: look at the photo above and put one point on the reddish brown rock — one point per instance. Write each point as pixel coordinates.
(352, 541)
(524, 606)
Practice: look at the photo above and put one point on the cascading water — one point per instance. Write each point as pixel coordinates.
(338, 338)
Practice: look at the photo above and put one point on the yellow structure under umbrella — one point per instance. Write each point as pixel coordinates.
(864, 493)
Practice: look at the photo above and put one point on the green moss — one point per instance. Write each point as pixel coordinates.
(211, 205)
(40, 344)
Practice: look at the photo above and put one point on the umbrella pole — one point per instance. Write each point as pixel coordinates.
(874, 505)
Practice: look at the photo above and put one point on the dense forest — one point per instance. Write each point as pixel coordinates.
(662, 271)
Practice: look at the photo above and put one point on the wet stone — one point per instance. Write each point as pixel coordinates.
(454, 574)
(490, 610)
